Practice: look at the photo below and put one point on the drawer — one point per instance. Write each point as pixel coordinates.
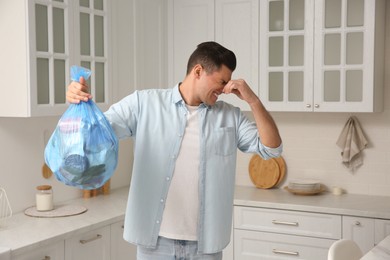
(250, 245)
(288, 222)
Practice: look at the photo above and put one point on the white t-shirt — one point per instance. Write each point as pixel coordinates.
(180, 217)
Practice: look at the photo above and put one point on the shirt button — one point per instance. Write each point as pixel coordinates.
(168, 178)
(161, 200)
(158, 221)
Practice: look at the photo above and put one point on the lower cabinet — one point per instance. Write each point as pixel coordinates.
(263, 233)
(361, 230)
(99, 244)
(52, 252)
(382, 229)
(94, 244)
(250, 245)
(120, 249)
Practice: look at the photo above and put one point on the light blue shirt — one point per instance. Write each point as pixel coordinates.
(156, 119)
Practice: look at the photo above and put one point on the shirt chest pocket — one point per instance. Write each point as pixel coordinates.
(225, 141)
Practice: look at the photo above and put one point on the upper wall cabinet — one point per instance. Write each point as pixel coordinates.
(43, 39)
(325, 55)
(232, 23)
(189, 23)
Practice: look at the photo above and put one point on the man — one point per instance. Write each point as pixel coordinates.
(181, 195)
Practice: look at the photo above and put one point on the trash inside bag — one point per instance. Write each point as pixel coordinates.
(83, 150)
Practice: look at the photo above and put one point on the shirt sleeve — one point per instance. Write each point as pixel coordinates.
(123, 116)
(249, 140)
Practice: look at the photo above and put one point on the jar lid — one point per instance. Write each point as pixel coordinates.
(44, 187)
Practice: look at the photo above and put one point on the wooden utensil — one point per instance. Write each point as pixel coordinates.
(264, 173)
(46, 172)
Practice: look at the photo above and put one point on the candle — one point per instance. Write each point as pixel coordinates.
(44, 198)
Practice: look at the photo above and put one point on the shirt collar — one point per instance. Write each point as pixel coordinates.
(177, 98)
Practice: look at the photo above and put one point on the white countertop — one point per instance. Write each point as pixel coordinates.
(346, 204)
(23, 233)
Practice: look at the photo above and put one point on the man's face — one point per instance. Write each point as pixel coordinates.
(210, 86)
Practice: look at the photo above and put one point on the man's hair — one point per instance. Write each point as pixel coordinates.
(211, 56)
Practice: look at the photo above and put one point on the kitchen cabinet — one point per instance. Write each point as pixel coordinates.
(237, 28)
(94, 244)
(102, 243)
(189, 23)
(360, 230)
(120, 249)
(325, 56)
(382, 229)
(297, 55)
(52, 252)
(232, 23)
(44, 39)
(270, 234)
(275, 224)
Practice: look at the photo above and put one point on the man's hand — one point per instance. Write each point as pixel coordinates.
(240, 88)
(78, 91)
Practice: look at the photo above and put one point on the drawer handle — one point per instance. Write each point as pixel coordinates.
(283, 252)
(287, 223)
(46, 258)
(85, 241)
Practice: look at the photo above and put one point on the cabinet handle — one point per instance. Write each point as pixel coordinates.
(316, 106)
(84, 241)
(308, 105)
(123, 226)
(287, 223)
(283, 252)
(357, 223)
(46, 258)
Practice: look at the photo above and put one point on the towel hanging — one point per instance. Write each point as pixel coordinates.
(352, 142)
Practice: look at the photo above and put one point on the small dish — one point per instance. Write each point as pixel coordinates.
(308, 192)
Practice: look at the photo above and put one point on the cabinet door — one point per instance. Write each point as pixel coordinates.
(360, 230)
(348, 43)
(50, 252)
(237, 28)
(49, 50)
(286, 54)
(120, 249)
(382, 229)
(94, 244)
(252, 245)
(91, 48)
(191, 23)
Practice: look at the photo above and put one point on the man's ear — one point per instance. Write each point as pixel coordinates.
(197, 70)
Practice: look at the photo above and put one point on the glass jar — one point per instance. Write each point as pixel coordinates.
(44, 198)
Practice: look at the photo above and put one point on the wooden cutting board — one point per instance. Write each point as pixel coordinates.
(282, 169)
(264, 174)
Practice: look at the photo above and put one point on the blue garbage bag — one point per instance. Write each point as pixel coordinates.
(83, 149)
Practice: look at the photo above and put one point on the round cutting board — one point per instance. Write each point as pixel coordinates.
(264, 173)
(282, 169)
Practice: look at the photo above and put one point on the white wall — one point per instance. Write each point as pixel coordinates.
(310, 148)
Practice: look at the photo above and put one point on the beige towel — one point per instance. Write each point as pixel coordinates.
(352, 142)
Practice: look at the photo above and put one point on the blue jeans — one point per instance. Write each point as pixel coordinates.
(170, 249)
